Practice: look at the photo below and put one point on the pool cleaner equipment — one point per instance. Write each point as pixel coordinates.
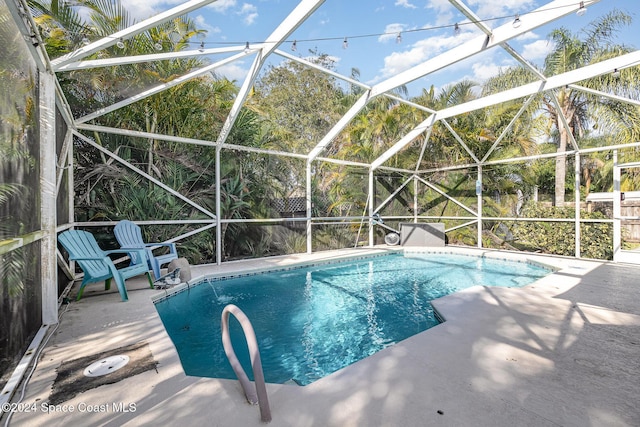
(392, 238)
(170, 279)
(178, 271)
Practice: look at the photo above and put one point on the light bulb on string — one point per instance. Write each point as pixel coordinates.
(157, 46)
(399, 38)
(247, 49)
(582, 10)
(345, 43)
(120, 43)
(456, 29)
(201, 47)
(294, 46)
(517, 22)
(616, 73)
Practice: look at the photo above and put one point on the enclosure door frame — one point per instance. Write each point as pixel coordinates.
(620, 254)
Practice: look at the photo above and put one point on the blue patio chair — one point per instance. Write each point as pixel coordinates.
(129, 236)
(96, 264)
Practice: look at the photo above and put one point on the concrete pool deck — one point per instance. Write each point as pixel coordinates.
(564, 351)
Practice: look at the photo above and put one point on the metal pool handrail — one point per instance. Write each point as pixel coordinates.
(259, 395)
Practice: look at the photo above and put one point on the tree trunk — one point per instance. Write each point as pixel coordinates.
(151, 124)
(561, 166)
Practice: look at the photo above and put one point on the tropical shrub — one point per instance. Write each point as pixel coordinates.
(559, 237)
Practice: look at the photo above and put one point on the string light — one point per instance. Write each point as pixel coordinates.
(201, 47)
(582, 10)
(616, 73)
(157, 46)
(517, 22)
(175, 37)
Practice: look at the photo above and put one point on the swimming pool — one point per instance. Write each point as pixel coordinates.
(314, 320)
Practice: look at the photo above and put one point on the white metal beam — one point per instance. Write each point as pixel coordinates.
(563, 119)
(553, 82)
(424, 148)
(528, 158)
(129, 32)
(157, 89)
(405, 140)
(147, 176)
(530, 21)
(63, 159)
(606, 95)
(393, 195)
(541, 16)
(48, 195)
(321, 68)
(240, 98)
(342, 123)
(485, 29)
(194, 141)
(437, 190)
(350, 80)
(460, 141)
(507, 128)
(181, 139)
(409, 103)
(301, 12)
(135, 59)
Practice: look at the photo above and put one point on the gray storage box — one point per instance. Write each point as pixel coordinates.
(421, 234)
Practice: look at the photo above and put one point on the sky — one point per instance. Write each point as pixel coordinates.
(371, 28)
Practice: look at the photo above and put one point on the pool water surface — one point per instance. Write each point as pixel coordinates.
(312, 321)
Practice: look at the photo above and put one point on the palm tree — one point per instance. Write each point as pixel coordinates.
(594, 43)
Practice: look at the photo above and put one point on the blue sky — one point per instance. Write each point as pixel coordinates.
(371, 28)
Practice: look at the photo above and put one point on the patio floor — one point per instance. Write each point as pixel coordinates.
(563, 351)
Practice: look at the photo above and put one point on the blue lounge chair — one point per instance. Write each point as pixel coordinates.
(129, 236)
(96, 264)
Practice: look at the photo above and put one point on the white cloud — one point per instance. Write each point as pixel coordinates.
(442, 10)
(249, 13)
(537, 50)
(440, 6)
(143, 9)
(202, 24)
(405, 3)
(484, 71)
(420, 52)
(222, 6)
(234, 71)
(529, 35)
(495, 8)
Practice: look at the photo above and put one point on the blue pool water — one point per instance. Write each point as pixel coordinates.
(315, 320)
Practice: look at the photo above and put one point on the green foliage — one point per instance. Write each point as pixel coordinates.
(297, 104)
(558, 238)
(12, 272)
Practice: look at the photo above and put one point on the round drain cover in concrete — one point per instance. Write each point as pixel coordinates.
(106, 366)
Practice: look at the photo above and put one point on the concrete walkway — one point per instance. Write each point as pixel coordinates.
(561, 352)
